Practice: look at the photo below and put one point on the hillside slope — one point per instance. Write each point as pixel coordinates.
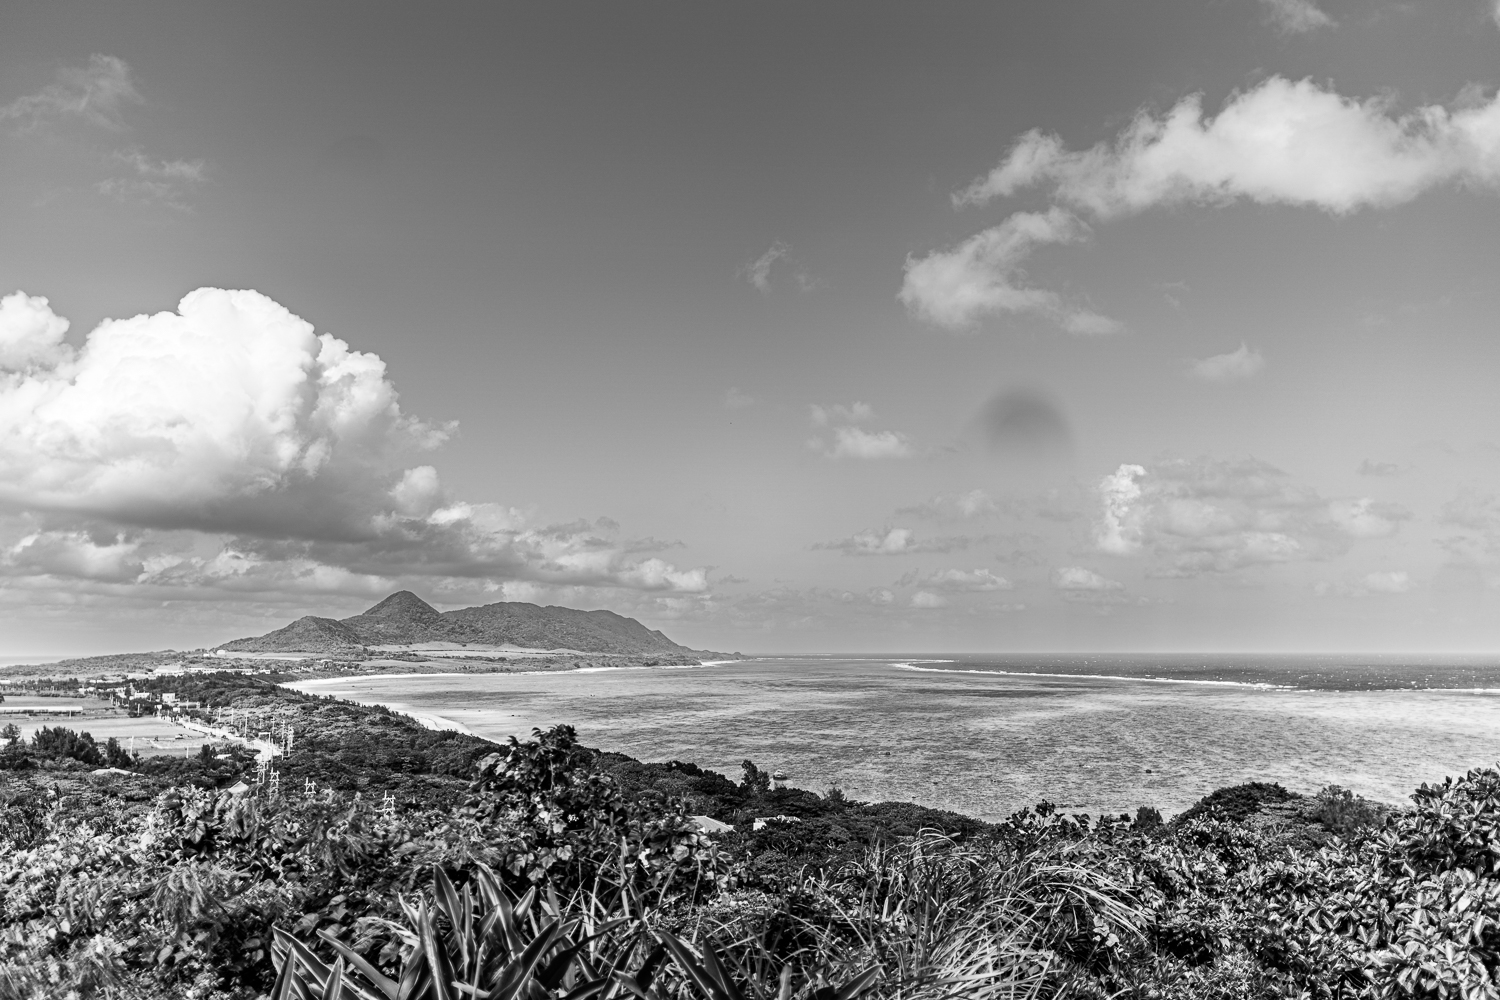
(305, 635)
(404, 618)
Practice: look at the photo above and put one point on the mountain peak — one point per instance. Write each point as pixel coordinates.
(405, 606)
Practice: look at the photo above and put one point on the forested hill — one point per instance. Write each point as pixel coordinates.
(404, 618)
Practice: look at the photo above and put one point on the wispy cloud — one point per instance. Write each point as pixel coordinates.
(1370, 584)
(1369, 468)
(758, 271)
(959, 506)
(97, 93)
(737, 399)
(982, 277)
(1235, 366)
(837, 413)
(166, 182)
(1295, 17)
(892, 542)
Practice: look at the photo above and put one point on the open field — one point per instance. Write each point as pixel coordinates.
(101, 720)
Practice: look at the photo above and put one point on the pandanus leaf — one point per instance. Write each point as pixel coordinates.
(387, 986)
(707, 984)
(445, 901)
(437, 961)
(333, 987)
(516, 976)
(628, 981)
(858, 984)
(587, 990)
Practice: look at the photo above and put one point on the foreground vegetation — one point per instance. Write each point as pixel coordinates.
(395, 862)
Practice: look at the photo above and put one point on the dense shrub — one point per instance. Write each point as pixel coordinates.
(62, 742)
(375, 851)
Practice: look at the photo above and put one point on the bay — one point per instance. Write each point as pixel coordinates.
(985, 736)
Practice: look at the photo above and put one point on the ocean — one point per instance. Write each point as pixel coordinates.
(985, 736)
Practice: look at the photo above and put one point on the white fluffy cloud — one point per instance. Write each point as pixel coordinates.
(982, 276)
(855, 442)
(1120, 526)
(1296, 16)
(928, 600)
(230, 414)
(1204, 516)
(1235, 366)
(975, 581)
(849, 441)
(228, 446)
(1280, 142)
(1079, 578)
(31, 334)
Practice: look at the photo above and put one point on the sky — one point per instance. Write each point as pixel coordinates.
(836, 327)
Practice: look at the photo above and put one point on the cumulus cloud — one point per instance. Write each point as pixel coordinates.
(229, 414)
(77, 555)
(1365, 518)
(892, 542)
(31, 334)
(1205, 516)
(855, 442)
(1280, 142)
(1120, 528)
(982, 276)
(228, 445)
(97, 93)
(1296, 17)
(927, 599)
(976, 581)
(1232, 367)
(1079, 578)
(849, 441)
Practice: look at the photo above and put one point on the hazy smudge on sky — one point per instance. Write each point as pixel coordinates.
(1026, 430)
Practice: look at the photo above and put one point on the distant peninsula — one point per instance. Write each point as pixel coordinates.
(404, 623)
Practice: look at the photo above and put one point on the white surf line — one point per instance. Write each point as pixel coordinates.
(1253, 685)
(428, 720)
(353, 678)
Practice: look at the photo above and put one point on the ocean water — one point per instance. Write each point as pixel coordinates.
(985, 736)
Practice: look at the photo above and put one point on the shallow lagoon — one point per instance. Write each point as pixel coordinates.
(975, 740)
